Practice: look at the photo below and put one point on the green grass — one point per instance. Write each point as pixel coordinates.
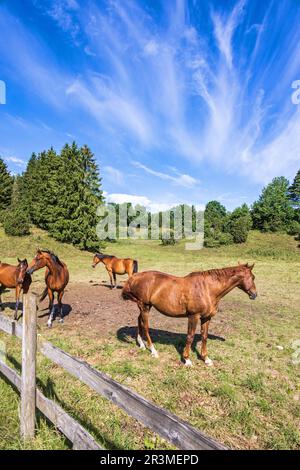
(249, 399)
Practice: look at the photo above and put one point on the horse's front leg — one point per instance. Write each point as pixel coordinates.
(204, 334)
(192, 325)
(18, 291)
(51, 308)
(59, 299)
(111, 278)
(115, 280)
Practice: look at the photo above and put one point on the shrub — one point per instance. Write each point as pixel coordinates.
(239, 229)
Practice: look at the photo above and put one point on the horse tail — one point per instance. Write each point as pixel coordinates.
(135, 266)
(44, 294)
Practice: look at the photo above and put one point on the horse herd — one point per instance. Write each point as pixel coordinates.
(195, 296)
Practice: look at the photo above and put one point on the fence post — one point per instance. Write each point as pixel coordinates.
(28, 382)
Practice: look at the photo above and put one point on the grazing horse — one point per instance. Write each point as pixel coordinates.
(56, 278)
(195, 296)
(14, 277)
(115, 266)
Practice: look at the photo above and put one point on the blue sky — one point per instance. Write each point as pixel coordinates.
(181, 101)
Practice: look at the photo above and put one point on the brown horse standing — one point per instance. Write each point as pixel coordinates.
(195, 296)
(116, 265)
(14, 277)
(56, 278)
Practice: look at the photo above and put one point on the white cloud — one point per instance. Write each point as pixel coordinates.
(113, 174)
(151, 205)
(17, 161)
(181, 179)
(151, 48)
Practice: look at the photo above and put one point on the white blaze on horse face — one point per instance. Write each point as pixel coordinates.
(140, 342)
(154, 353)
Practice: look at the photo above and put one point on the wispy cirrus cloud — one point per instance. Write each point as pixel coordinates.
(180, 179)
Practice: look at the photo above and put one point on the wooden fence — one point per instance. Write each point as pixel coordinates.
(161, 421)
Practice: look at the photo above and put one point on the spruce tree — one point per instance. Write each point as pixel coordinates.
(16, 221)
(6, 184)
(79, 199)
(294, 191)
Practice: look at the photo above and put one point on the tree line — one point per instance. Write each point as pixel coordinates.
(61, 192)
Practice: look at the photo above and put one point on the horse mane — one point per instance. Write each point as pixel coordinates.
(219, 272)
(54, 257)
(101, 256)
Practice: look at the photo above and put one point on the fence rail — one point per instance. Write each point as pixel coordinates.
(161, 421)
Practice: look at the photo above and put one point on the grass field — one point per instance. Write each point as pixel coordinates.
(249, 399)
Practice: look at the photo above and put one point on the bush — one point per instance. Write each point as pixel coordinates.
(16, 222)
(169, 241)
(225, 238)
(239, 229)
(294, 228)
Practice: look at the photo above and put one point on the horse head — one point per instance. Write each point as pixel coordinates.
(38, 262)
(22, 269)
(247, 283)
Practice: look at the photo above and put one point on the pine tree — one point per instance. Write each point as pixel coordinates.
(273, 212)
(80, 196)
(294, 191)
(16, 221)
(6, 184)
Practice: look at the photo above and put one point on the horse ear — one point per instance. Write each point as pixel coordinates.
(39, 251)
(19, 261)
(251, 266)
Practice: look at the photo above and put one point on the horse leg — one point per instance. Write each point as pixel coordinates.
(139, 338)
(204, 335)
(18, 291)
(1, 292)
(145, 309)
(115, 279)
(59, 299)
(111, 278)
(51, 308)
(192, 325)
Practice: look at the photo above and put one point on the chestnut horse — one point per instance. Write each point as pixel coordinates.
(115, 266)
(195, 296)
(14, 277)
(56, 278)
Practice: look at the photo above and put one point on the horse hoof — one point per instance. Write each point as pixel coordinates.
(61, 320)
(155, 354)
(208, 362)
(49, 325)
(188, 363)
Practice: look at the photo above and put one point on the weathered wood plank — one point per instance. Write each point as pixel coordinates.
(67, 425)
(28, 381)
(10, 326)
(164, 423)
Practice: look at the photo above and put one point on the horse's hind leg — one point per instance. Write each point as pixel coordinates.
(139, 338)
(115, 279)
(59, 299)
(192, 325)
(111, 279)
(204, 335)
(145, 309)
(51, 308)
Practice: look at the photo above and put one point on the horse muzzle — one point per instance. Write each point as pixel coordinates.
(30, 271)
(252, 295)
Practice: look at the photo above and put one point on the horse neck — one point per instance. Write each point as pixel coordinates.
(227, 282)
(52, 265)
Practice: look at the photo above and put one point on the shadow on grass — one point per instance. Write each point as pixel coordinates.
(49, 391)
(177, 340)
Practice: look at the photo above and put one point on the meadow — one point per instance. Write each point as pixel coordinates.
(249, 399)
